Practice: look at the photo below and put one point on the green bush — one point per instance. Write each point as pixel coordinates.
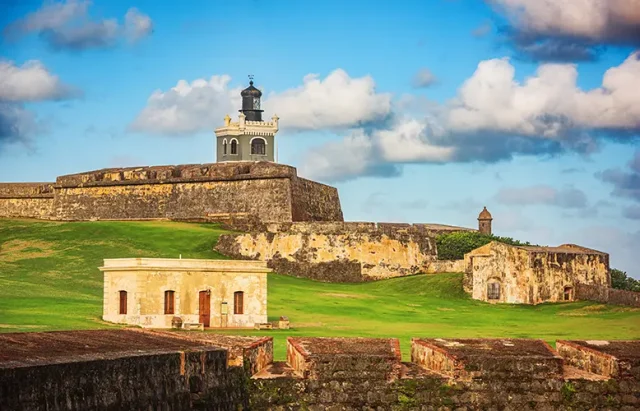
(453, 246)
(621, 281)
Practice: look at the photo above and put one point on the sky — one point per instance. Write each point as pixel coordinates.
(417, 111)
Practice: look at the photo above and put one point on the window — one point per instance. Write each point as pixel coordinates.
(123, 302)
(238, 302)
(493, 291)
(169, 299)
(234, 146)
(258, 146)
(224, 147)
(568, 293)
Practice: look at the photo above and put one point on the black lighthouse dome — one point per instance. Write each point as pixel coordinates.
(251, 103)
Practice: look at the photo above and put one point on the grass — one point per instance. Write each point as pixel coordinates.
(49, 281)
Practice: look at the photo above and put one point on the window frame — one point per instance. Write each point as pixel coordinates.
(122, 297)
(238, 303)
(493, 291)
(263, 146)
(224, 147)
(169, 302)
(234, 147)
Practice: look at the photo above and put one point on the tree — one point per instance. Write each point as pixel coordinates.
(621, 281)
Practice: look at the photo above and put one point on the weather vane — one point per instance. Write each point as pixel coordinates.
(251, 77)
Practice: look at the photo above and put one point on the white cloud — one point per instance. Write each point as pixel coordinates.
(68, 26)
(494, 117)
(30, 82)
(570, 30)
(423, 78)
(137, 25)
(189, 107)
(547, 104)
(590, 19)
(338, 101)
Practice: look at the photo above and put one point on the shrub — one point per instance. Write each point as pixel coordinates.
(453, 246)
(621, 281)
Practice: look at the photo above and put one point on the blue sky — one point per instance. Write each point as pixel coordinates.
(420, 111)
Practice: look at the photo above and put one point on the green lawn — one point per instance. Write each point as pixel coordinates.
(49, 281)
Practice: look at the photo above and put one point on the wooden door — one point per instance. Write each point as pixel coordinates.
(205, 308)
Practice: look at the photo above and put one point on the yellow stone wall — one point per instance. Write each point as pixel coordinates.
(379, 255)
(532, 277)
(146, 280)
(38, 207)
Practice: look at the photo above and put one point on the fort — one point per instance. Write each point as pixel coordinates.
(136, 369)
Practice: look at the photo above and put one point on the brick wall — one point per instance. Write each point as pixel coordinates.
(26, 200)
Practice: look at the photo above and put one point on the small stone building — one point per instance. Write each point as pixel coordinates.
(502, 273)
(166, 293)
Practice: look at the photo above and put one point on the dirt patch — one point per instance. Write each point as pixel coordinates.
(16, 250)
(445, 309)
(341, 295)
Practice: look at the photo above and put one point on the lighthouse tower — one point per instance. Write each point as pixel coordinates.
(250, 138)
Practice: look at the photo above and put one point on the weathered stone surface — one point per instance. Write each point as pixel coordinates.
(619, 359)
(221, 191)
(142, 370)
(607, 295)
(120, 369)
(532, 275)
(342, 252)
(145, 281)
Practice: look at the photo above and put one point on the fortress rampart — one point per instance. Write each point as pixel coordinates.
(343, 251)
(250, 191)
(132, 369)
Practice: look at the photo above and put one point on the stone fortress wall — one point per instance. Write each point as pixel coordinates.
(253, 191)
(139, 369)
(343, 251)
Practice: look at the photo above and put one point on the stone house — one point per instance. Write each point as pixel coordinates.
(502, 273)
(166, 293)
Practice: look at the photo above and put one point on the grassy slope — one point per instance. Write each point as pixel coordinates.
(49, 280)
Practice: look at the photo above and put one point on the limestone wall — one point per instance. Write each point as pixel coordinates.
(531, 275)
(26, 200)
(341, 252)
(313, 201)
(249, 191)
(604, 294)
(146, 280)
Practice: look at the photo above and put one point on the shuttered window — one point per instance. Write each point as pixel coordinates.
(238, 302)
(169, 302)
(123, 302)
(493, 291)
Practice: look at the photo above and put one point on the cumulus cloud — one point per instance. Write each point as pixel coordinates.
(30, 82)
(68, 26)
(188, 107)
(423, 78)
(16, 123)
(137, 25)
(570, 30)
(542, 194)
(335, 102)
(338, 101)
(494, 117)
(626, 183)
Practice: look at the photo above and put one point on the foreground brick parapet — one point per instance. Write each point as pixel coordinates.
(466, 359)
(149, 369)
(615, 359)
